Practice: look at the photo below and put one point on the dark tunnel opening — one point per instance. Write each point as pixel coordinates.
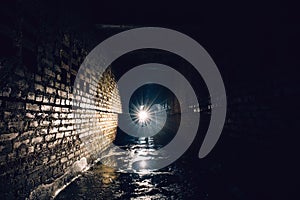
(59, 127)
(154, 99)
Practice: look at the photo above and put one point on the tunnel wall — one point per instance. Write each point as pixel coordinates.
(43, 145)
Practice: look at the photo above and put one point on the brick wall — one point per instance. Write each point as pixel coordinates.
(45, 139)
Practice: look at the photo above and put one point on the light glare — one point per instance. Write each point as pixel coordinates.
(143, 116)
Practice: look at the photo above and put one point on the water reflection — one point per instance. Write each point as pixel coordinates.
(108, 174)
(103, 182)
(139, 157)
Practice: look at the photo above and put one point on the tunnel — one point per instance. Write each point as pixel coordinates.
(61, 111)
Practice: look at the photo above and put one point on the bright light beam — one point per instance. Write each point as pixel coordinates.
(143, 116)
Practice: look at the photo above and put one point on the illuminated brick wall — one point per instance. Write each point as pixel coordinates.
(42, 140)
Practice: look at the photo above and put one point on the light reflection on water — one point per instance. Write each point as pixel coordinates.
(140, 157)
(103, 182)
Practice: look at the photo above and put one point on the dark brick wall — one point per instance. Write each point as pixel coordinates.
(44, 142)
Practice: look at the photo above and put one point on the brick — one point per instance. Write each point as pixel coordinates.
(68, 133)
(45, 160)
(37, 140)
(39, 98)
(31, 149)
(30, 115)
(9, 136)
(15, 105)
(59, 135)
(70, 156)
(49, 72)
(53, 130)
(30, 96)
(57, 68)
(34, 124)
(67, 102)
(33, 107)
(25, 135)
(39, 87)
(65, 110)
(7, 115)
(46, 100)
(52, 100)
(63, 102)
(51, 145)
(57, 109)
(62, 93)
(63, 115)
(52, 157)
(16, 126)
(55, 115)
(6, 92)
(47, 128)
(46, 108)
(18, 144)
(70, 127)
(56, 122)
(58, 77)
(63, 160)
(50, 90)
(50, 137)
(45, 123)
(57, 101)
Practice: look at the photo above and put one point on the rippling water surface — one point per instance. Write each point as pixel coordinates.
(181, 180)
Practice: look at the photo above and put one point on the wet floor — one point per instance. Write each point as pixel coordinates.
(180, 180)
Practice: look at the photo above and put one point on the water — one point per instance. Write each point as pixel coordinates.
(187, 178)
(236, 169)
(181, 180)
